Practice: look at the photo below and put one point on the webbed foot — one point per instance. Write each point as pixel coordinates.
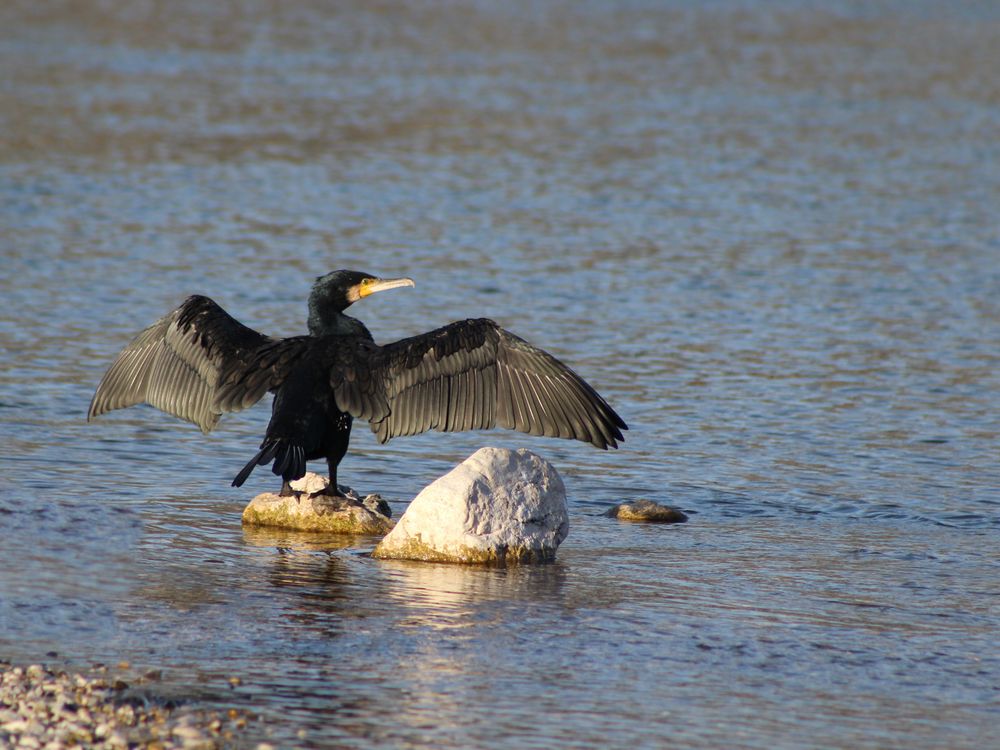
(287, 491)
(333, 497)
(328, 491)
(330, 502)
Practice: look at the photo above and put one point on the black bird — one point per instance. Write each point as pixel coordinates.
(198, 363)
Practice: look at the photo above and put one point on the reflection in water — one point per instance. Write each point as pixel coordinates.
(296, 541)
(447, 597)
(459, 614)
(321, 584)
(317, 579)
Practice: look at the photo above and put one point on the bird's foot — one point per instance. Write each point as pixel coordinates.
(328, 491)
(287, 491)
(333, 499)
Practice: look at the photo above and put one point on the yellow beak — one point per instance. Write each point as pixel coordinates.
(370, 286)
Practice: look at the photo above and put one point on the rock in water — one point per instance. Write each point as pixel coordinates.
(498, 506)
(369, 515)
(647, 511)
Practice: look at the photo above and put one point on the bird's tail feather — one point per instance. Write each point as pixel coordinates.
(289, 461)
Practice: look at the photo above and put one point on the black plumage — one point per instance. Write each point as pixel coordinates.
(198, 363)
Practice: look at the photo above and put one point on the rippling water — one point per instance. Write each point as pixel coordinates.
(768, 233)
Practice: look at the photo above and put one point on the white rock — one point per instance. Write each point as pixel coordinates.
(497, 506)
(311, 482)
(17, 726)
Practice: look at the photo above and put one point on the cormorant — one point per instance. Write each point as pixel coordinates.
(198, 363)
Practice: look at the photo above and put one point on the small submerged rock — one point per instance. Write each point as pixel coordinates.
(646, 511)
(369, 515)
(498, 506)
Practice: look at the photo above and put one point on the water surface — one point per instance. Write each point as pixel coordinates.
(766, 233)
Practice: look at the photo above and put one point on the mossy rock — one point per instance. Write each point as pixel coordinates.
(414, 548)
(646, 511)
(321, 513)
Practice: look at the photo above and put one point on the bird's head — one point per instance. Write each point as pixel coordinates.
(336, 291)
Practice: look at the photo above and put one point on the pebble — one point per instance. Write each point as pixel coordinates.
(46, 709)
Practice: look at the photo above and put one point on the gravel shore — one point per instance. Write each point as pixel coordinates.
(50, 709)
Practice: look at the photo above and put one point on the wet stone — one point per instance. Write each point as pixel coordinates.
(646, 511)
(369, 515)
(47, 709)
(496, 507)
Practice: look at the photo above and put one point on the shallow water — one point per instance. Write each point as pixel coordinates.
(767, 233)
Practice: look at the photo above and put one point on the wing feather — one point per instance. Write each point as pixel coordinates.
(471, 375)
(557, 425)
(504, 403)
(521, 402)
(196, 363)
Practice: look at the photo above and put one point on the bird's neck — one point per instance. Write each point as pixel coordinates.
(335, 323)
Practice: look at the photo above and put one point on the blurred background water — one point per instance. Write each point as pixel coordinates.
(767, 232)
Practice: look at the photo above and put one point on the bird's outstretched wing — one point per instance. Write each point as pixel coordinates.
(472, 375)
(196, 363)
